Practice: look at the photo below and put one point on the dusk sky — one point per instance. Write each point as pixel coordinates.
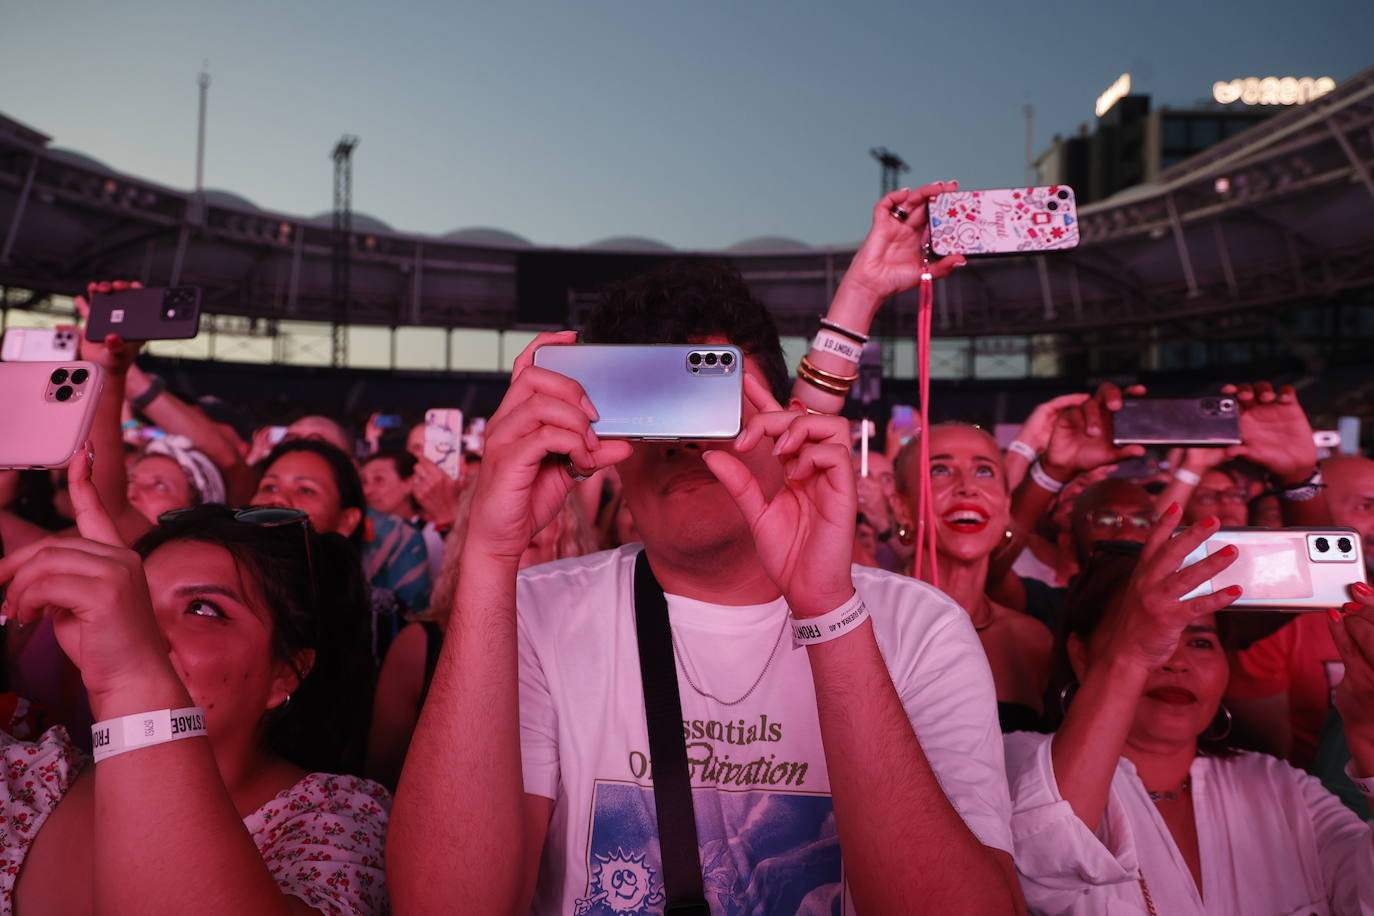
(699, 124)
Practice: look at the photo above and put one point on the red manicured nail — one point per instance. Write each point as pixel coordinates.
(1362, 589)
(1235, 590)
(1334, 614)
(1230, 550)
(1172, 510)
(1351, 606)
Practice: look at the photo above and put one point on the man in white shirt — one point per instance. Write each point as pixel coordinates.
(528, 782)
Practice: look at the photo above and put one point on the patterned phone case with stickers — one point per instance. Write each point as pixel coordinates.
(1004, 221)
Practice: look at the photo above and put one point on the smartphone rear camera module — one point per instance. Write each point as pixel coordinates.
(1227, 405)
(726, 359)
(694, 359)
(1344, 545)
(1322, 545)
(64, 393)
(1053, 205)
(79, 376)
(710, 359)
(58, 376)
(1062, 195)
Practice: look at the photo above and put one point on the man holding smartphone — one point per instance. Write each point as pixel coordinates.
(528, 784)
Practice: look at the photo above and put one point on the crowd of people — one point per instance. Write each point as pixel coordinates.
(226, 650)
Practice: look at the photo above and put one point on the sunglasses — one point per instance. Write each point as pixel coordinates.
(1117, 522)
(263, 517)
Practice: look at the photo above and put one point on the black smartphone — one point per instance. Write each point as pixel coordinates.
(1209, 421)
(171, 313)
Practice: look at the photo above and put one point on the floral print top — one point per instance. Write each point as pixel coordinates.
(321, 839)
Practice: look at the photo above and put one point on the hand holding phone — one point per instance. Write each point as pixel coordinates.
(1285, 569)
(1004, 221)
(655, 391)
(145, 314)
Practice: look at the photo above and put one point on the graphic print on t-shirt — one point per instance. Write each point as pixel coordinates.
(761, 852)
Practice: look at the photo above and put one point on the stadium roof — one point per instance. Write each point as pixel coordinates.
(1291, 223)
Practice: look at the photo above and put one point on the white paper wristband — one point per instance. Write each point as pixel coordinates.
(1017, 447)
(144, 729)
(829, 342)
(831, 625)
(1365, 785)
(1043, 480)
(1183, 475)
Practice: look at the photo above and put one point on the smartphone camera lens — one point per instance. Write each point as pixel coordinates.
(710, 359)
(1053, 205)
(1322, 545)
(1063, 195)
(64, 393)
(1227, 405)
(726, 359)
(59, 376)
(79, 376)
(170, 313)
(694, 359)
(1344, 545)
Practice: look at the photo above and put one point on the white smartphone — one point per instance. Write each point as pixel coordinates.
(656, 391)
(46, 411)
(1285, 569)
(444, 439)
(57, 344)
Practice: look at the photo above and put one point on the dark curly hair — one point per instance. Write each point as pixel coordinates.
(685, 300)
(341, 468)
(1092, 595)
(324, 725)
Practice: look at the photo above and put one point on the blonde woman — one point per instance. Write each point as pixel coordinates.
(409, 664)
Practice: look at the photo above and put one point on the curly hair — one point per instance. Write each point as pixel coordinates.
(684, 301)
(313, 588)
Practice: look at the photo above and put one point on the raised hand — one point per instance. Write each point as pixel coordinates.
(1081, 439)
(889, 260)
(537, 440)
(804, 532)
(435, 492)
(1275, 432)
(1353, 633)
(1145, 628)
(1036, 431)
(113, 354)
(94, 590)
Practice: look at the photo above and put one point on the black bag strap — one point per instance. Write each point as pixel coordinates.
(677, 824)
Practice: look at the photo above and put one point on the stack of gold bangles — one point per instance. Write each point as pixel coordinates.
(825, 381)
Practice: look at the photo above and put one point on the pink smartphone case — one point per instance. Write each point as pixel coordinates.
(36, 429)
(1004, 221)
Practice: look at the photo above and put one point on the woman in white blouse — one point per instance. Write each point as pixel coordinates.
(1135, 806)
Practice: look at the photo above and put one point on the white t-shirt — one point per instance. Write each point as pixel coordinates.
(761, 793)
(1272, 841)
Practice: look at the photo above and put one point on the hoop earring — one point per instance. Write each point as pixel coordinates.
(1230, 723)
(1064, 698)
(904, 534)
(285, 703)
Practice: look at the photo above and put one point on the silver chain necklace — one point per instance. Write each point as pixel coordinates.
(1158, 797)
(758, 680)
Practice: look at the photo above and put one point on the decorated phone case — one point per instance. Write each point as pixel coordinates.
(1004, 221)
(444, 440)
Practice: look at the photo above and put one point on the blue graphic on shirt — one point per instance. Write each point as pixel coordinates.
(761, 853)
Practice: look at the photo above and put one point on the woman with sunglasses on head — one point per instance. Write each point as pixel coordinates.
(1136, 805)
(972, 509)
(222, 693)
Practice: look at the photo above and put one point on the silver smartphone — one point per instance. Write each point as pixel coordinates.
(39, 344)
(46, 409)
(656, 391)
(1286, 569)
(1210, 421)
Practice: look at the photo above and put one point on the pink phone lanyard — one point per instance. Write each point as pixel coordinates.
(925, 523)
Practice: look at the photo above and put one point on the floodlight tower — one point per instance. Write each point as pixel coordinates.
(892, 166)
(343, 230)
